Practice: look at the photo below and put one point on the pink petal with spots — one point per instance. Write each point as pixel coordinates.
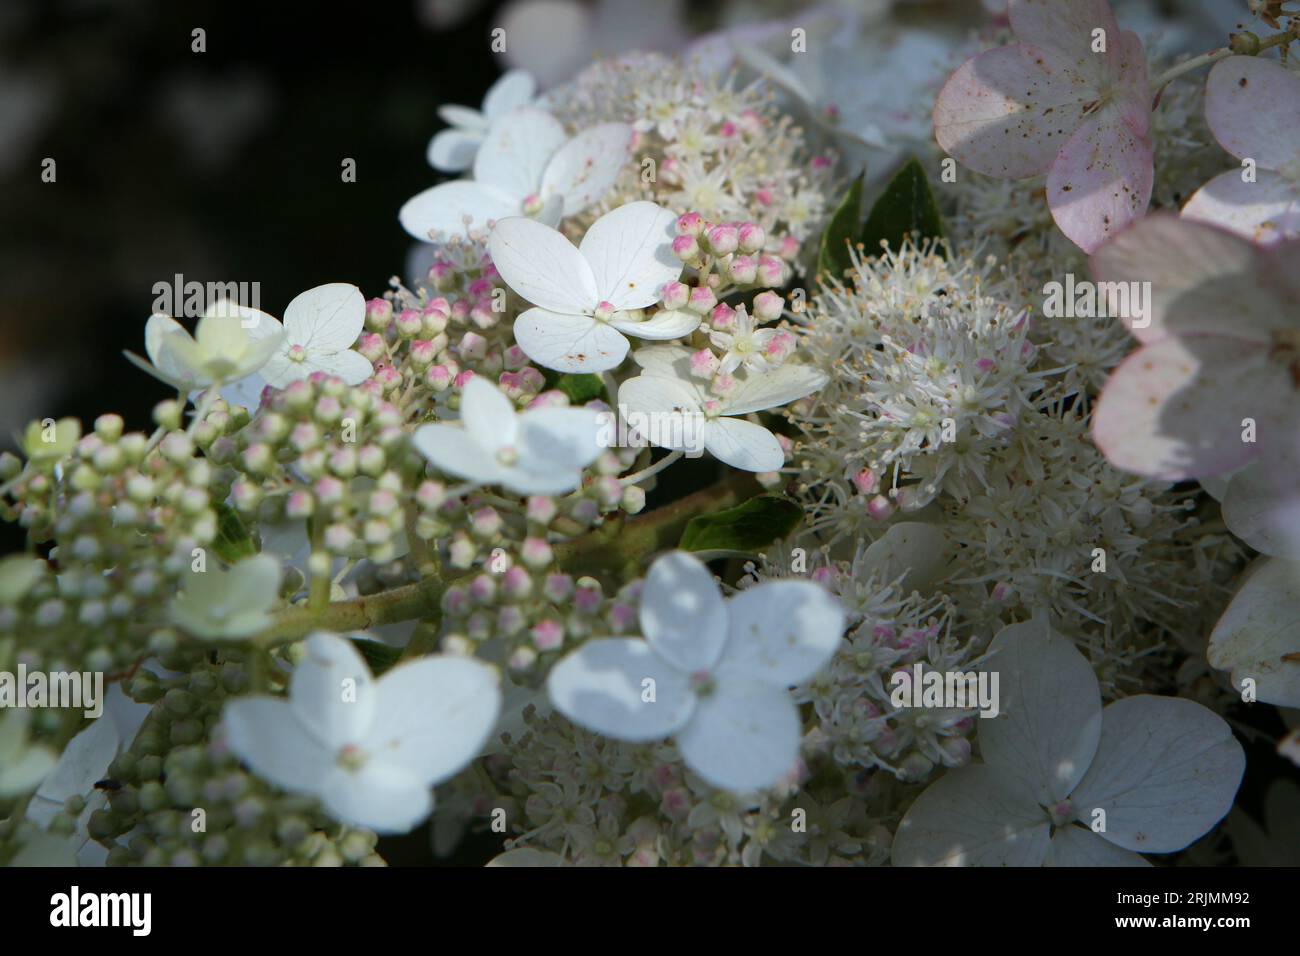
(1010, 110)
(1065, 28)
(1253, 108)
(1101, 181)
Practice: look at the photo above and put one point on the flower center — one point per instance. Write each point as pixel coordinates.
(1061, 813)
(507, 456)
(351, 757)
(604, 311)
(297, 353)
(532, 204)
(703, 684)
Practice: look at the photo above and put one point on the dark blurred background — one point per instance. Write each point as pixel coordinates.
(223, 166)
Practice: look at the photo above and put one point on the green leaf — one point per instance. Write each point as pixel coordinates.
(907, 205)
(580, 388)
(748, 527)
(234, 542)
(833, 258)
(379, 657)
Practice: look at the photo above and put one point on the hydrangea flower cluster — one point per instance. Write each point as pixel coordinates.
(421, 557)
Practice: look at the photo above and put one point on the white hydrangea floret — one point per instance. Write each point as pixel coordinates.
(370, 750)
(715, 674)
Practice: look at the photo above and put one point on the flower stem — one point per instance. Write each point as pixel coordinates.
(618, 544)
(644, 473)
(1214, 56)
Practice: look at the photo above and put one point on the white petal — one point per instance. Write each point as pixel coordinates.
(167, 364)
(547, 481)
(463, 117)
(1166, 771)
(1259, 629)
(586, 166)
(683, 615)
(353, 367)
(1233, 91)
(671, 361)
(264, 733)
(630, 251)
(1050, 721)
(516, 151)
(489, 416)
(622, 688)
(246, 391)
(774, 387)
(331, 691)
(432, 716)
(569, 343)
(1075, 846)
(973, 816)
(742, 737)
(514, 89)
(453, 150)
(1261, 505)
(1198, 273)
(443, 209)
(912, 550)
(1262, 211)
(781, 632)
(743, 445)
(664, 324)
(559, 438)
(328, 318)
(83, 763)
(454, 452)
(380, 796)
(542, 266)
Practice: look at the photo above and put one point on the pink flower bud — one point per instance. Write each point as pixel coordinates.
(409, 323)
(515, 358)
(702, 300)
(771, 270)
(547, 635)
(704, 364)
(751, 237)
(675, 295)
(438, 378)
(722, 240)
(768, 306)
(379, 312)
(472, 346)
(372, 346)
(723, 317)
(866, 481)
(686, 248)
(743, 270)
(690, 224)
(879, 508)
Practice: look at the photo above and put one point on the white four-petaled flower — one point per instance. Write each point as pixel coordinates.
(229, 343)
(320, 327)
(454, 149)
(685, 416)
(526, 166)
(1067, 783)
(231, 604)
(538, 452)
(588, 296)
(715, 674)
(369, 750)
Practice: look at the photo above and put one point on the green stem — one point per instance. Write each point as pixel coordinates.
(1214, 56)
